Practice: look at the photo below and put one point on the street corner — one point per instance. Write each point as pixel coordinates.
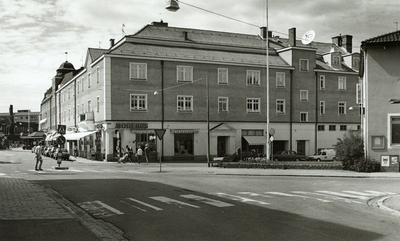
(389, 204)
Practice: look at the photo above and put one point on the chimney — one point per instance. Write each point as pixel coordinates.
(112, 42)
(347, 42)
(292, 37)
(263, 32)
(337, 40)
(159, 24)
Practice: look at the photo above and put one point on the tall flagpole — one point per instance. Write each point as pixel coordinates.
(267, 83)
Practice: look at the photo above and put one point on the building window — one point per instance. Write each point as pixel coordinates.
(322, 107)
(394, 132)
(88, 80)
(138, 102)
(303, 116)
(78, 110)
(98, 74)
(69, 92)
(77, 87)
(138, 71)
(342, 83)
(359, 93)
(280, 106)
(222, 104)
(332, 127)
(253, 105)
(343, 127)
(335, 60)
(303, 95)
(342, 108)
(184, 143)
(89, 106)
(184, 103)
(69, 114)
(98, 104)
(222, 76)
(322, 82)
(83, 83)
(280, 79)
(321, 127)
(184, 73)
(356, 63)
(83, 108)
(253, 77)
(304, 65)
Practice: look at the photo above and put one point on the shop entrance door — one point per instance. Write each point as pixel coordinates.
(301, 147)
(221, 145)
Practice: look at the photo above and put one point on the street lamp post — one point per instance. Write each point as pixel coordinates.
(173, 6)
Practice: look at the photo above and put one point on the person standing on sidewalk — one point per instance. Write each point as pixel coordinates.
(146, 152)
(139, 154)
(38, 156)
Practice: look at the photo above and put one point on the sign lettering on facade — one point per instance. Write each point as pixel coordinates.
(132, 125)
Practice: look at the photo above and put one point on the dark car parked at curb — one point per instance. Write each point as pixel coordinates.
(61, 152)
(288, 156)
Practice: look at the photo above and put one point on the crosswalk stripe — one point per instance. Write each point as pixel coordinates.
(334, 197)
(172, 201)
(319, 199)
(381, 193)
(344, 195)
(253, 194)
(239, 198)
(359, 193)
(99, 209)
(143, 203)
(208, 201)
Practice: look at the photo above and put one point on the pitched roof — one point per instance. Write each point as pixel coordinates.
(95, 53)
(180, 53)
(389, 38)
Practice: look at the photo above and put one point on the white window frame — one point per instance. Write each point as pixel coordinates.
(253, 105)
(223, 104)
(83, 83)
(98, 104)
(390, 143)
(98, 74)
(304, 95)
(253, 78)
(89, 77)
(341, 83)
(307, 65)
(322, 107)
(77, 86)
(89, 105)
(322, 82)
(342, 108)
(303, 114)
(335, 60)
(138, 102)
(280, 106)
(280, 80)
(138, 71)
(184, 73)
(184, 103)
(223, 76)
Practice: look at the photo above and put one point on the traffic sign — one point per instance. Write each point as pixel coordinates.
(61, 140)
(160, 133)
(61, 129)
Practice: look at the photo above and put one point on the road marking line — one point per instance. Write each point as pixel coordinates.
(99, 209)
(344, 195)
(145, 204)
(319, 199)
(89, 170)
(253, 194)
(208, 201)
(172, 201)
(239, 198)
(2, 174)
(381, 193)
(359, 193)
(335, 197)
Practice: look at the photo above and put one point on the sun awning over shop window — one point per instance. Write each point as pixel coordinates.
(77, 136)
(256, 140)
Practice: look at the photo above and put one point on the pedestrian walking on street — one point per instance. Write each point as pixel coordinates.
(146, 152)
(139, 154)
(38, 157)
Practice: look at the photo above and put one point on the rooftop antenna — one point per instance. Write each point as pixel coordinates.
(123, 31)
(308, 37)
(66, 56)
(397, 26)
(99, 44)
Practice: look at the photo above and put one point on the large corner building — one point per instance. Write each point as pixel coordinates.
(199, 85)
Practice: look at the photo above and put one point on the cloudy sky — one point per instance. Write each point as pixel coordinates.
(35, 34)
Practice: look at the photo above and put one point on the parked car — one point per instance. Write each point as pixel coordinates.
(49, 152)
(61, 152)
(26, 147)
(323, 155)
(288, 156)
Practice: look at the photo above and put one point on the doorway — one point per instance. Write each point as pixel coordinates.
(301, 147)
(221, 145)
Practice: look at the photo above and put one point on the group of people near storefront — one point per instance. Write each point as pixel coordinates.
(141, 152)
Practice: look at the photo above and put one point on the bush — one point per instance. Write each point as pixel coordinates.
(350, 151)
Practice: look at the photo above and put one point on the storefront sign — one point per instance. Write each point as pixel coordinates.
(175, 131)
(132, 125)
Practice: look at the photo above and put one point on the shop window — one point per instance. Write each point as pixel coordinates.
(183, 143)
(146, 138)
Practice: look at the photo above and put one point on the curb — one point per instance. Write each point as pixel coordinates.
(382, 206)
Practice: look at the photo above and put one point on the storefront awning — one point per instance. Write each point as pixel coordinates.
(42, 121)
(256, 140)
(77, 136)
